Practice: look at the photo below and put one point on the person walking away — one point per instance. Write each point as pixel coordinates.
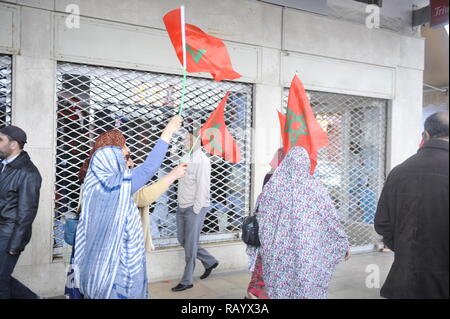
(412, 217)
(302, 238)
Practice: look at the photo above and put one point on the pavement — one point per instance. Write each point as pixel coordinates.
(358, 278)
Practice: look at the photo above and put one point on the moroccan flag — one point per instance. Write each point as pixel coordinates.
(205, 53)
(299, 126)
(216, 138)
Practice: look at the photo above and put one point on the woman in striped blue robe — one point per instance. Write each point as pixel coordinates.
(109, 257)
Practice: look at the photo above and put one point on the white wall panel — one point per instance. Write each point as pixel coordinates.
(9, 29)
(405, 118)
(244, 21)
(338, 76)
(318, 35)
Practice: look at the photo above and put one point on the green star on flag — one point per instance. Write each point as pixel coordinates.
(212, 57)
(213, 135)
(295, 126)
(196, 55)
(301, 130)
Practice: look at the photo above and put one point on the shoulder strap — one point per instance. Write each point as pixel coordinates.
(258, 201)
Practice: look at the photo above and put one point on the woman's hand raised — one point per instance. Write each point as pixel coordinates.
(173, 125)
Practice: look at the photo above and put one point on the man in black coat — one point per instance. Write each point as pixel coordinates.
(412, 217)
(20, 184)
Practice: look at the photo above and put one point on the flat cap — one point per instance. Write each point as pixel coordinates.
(15, 133)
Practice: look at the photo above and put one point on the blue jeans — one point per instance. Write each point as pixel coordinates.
(11, 288)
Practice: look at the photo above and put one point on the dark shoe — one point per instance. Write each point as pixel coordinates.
(208, 271)
(181, 287)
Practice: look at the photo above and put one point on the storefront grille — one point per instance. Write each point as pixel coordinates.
(93, 99)
(5, 90)
(353, 165)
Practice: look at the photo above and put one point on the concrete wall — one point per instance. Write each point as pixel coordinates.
(330, 55)
(435, 97)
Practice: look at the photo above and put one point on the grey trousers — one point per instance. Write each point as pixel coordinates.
(189, 226)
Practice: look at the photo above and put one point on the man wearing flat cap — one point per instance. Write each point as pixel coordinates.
(20, 183)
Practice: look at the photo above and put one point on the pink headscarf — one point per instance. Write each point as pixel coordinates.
(277, 159)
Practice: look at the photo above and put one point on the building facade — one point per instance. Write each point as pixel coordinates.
(70, 69)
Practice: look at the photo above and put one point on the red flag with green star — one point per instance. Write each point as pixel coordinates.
(205, 53)
(299, 126)
(216, 138)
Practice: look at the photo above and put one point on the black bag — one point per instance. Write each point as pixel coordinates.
(250, 230)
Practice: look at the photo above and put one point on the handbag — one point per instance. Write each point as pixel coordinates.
(250, 230)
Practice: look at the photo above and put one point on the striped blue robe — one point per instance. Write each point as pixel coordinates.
(109, 248)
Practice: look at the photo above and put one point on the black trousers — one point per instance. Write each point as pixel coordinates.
(11, 288)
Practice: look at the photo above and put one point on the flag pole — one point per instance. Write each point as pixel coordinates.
(193, 146)
(185, 158)
(183, 43)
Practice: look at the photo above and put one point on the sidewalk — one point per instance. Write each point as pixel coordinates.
(349, 281)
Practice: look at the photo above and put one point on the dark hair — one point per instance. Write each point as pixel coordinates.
(437, 125)
(192, 125)
(21, 144)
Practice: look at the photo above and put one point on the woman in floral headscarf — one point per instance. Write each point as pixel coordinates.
(302, 239)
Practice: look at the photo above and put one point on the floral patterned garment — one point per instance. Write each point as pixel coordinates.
(302, 239)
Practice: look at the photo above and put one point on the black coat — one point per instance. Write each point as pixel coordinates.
(20, 184)
(412, 217)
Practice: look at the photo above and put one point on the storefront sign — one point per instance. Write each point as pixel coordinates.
(439, 13)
